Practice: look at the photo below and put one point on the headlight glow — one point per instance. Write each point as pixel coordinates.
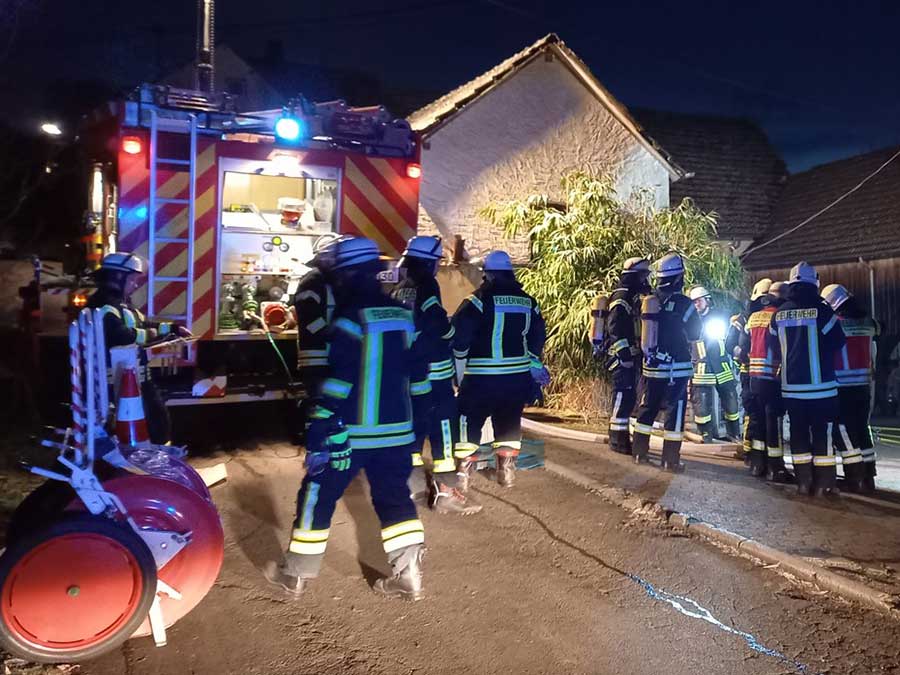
(715, 329)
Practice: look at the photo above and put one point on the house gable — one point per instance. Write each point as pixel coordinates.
(519, 136)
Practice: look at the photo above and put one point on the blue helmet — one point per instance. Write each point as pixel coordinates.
(497, 261)
(354, 251)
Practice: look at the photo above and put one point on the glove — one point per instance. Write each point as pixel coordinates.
(316, 462)
(327, 441)
(541, 376)
(597, 351)
(340, 460)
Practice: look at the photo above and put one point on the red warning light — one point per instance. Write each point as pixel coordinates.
(131, 145)
(413, 170)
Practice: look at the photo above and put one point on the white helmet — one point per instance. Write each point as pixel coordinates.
(835, 295)
(424, 248)
(354, 251)
(779, 289)
(123, 262)
(670, 265)
(804, 273)
(326, 241)
(635, 265)
(698, 292)
(497, 261)
(760, 288)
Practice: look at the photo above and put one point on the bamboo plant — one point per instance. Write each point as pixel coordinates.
(578, 248)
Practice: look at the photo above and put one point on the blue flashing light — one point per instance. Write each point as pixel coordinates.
(140, 212)
(290, 128)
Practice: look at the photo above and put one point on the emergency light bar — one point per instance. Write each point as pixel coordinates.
(291, 129)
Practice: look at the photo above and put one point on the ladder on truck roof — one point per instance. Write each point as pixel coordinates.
(189, 166)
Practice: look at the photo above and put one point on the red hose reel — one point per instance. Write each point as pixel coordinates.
(97, 555)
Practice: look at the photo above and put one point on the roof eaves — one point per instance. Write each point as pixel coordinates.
(426, 121)
(579, 69)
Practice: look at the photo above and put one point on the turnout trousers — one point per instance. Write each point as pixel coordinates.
(441, 424)
(852, 435)
(311, 377)
(661, 394)
(500, 397)
(624, 397)
(387, 471)
(436, 419)
(703, 399)
(766, 410)
(812, 423)
(746, 404)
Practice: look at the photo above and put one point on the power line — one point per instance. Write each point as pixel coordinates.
(823, 210)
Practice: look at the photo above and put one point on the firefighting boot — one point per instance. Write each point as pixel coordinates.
(778, 474)
(448, 499)
(406, 582)
(280, 575)
(671, 457)
(640, 447)
(506, 467)
(733, 431)
(831, 493)
(758, 459)
(463, 473)
(867, 485)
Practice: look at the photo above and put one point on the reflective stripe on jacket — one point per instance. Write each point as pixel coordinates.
(499, 330)
(854, 362)
(805, 335)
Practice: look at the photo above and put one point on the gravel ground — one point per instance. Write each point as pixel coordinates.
(537, 583)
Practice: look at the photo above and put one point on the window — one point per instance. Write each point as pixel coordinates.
(258, 201)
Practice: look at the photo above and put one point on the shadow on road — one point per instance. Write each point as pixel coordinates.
(253, 496)
(371, 557)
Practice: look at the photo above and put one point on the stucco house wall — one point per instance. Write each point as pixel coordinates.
(518, 139)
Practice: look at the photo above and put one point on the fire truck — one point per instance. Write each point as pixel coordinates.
(227, 206)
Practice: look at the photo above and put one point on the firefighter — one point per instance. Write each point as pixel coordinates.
(764, 405)
(620, 348)
(117, 277)
(313, 307)
(760, 288)
(669, 324)
(713, 372)
(805, 336)
(498, 341)
(362, 420)
(435, 410)
(854, 367)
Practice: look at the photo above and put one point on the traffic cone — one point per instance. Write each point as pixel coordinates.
(131, 427)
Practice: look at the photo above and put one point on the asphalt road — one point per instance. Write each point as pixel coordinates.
(548, 579)
(860, 538)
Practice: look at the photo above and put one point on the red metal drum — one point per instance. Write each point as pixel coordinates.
(163, 465)
(161, 504)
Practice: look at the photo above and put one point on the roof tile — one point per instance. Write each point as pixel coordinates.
(736, 171)
(866, 224)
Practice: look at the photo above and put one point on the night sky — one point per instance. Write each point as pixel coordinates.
(821, 77)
